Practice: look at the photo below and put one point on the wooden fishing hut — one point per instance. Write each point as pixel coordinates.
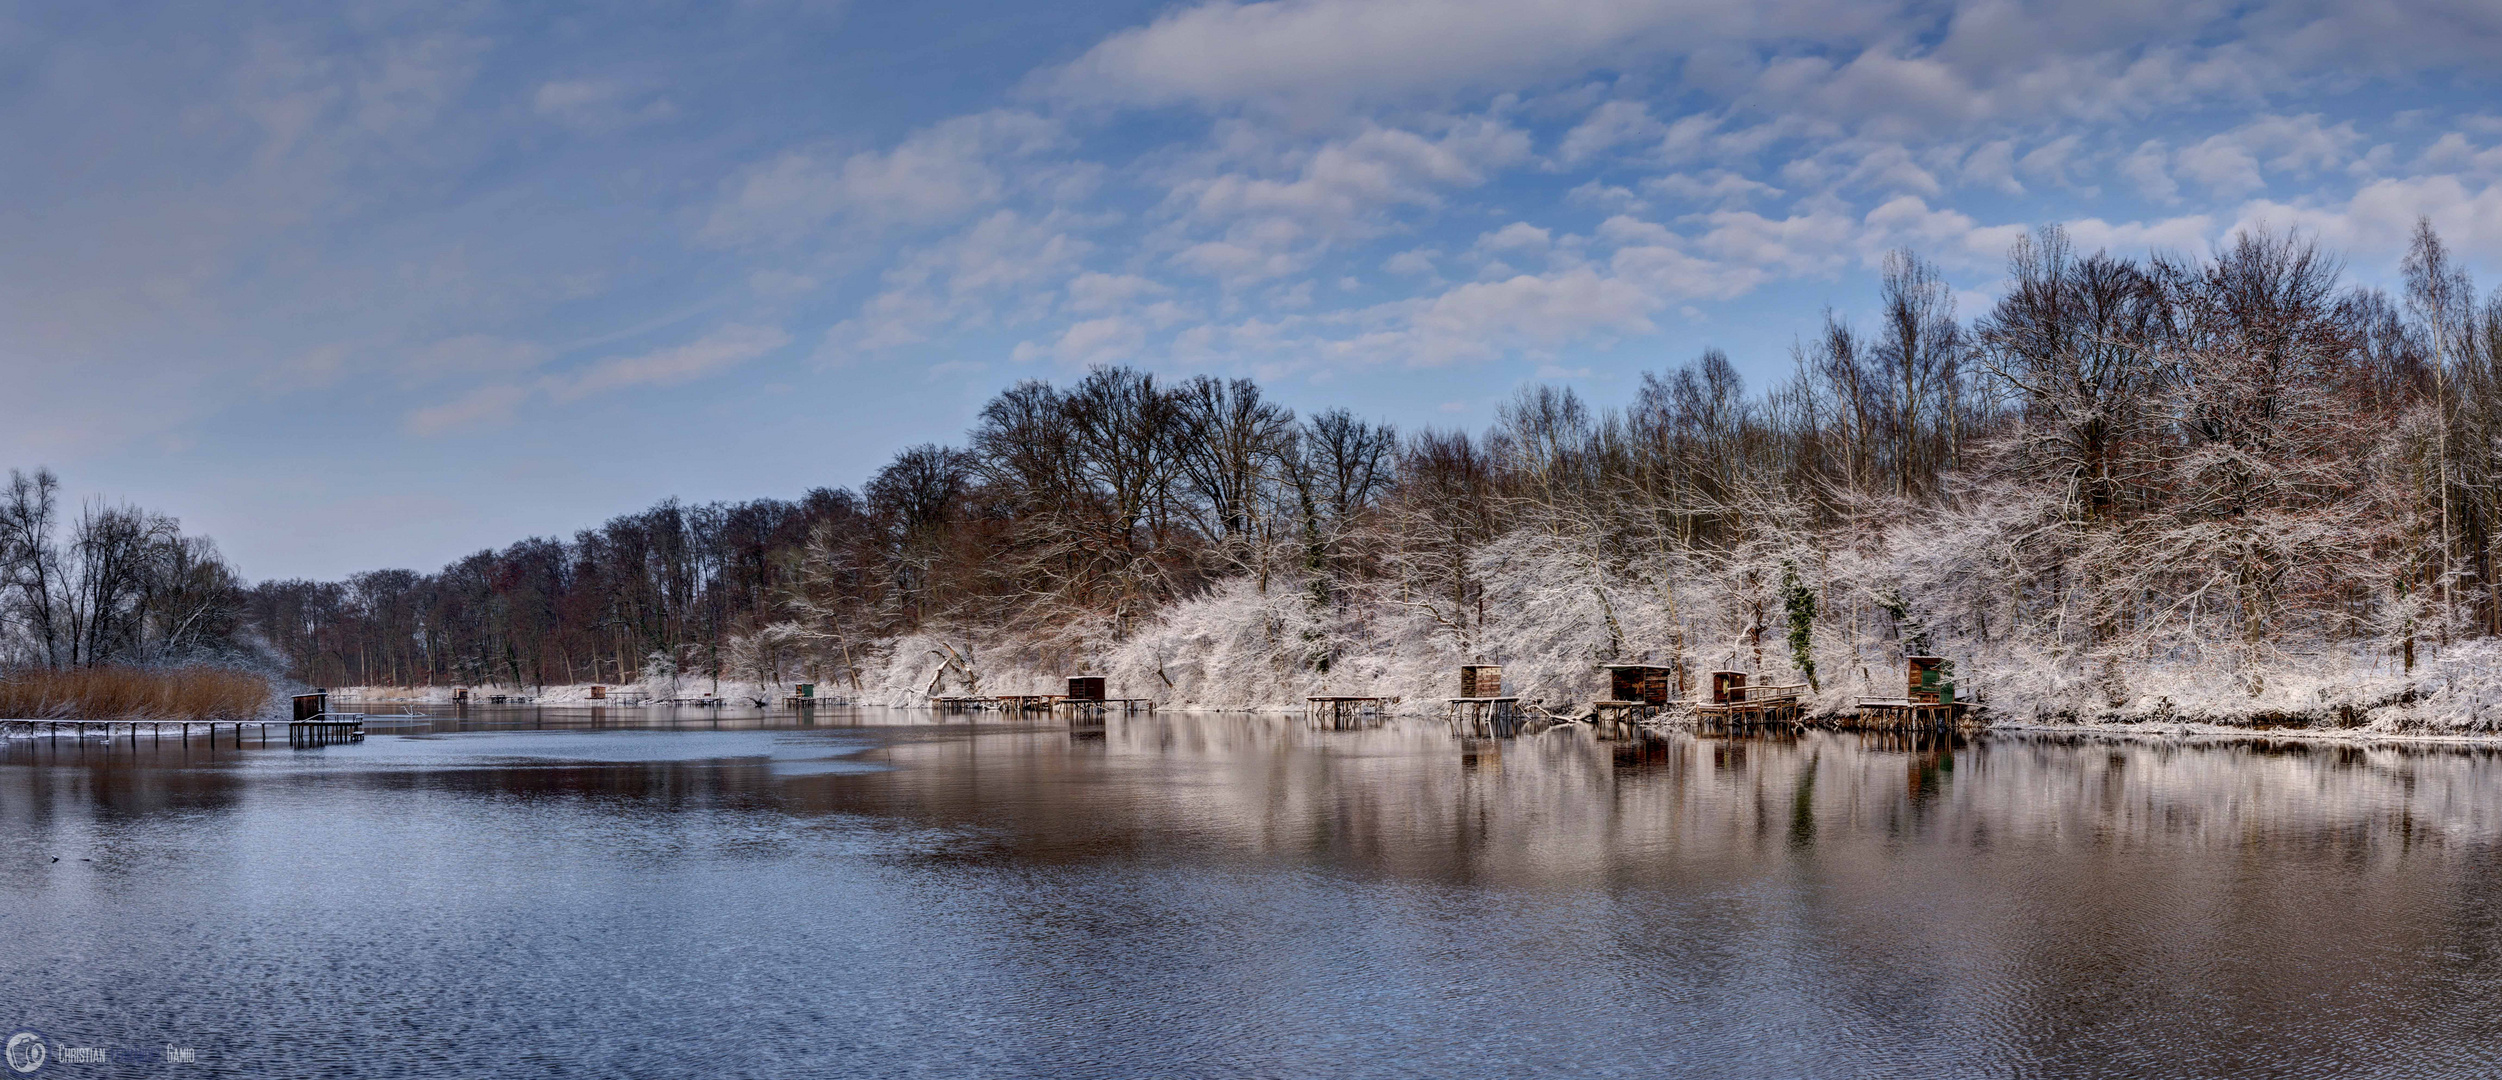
(1634, 692)
(1928, 698)
(1481, 704)
(314, 723)
(1086, 697)
(1737, 704)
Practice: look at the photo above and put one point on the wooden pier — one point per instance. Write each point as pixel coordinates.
(1897, 714)
(130, 730)
(1735, 705)
(313, 730)
(326, 728)
(1086, 700)
(1343, 712)
(804, 696)
(1494, 716)
(1095, 707)
(1928, 700)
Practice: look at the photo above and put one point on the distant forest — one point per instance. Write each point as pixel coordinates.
(2230, 462)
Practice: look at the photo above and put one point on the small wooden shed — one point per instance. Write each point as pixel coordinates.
(309, 706)
(1481, 681)
(1932, 680)
(1727, 686)
(599, 693)
(1645, 683)
(1085, 688)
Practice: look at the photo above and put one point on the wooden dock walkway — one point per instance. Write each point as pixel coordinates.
(313, 731)
(1774, 705)
(1340, 712)
(1485, 716)
(1095, 708)
(1904, 714)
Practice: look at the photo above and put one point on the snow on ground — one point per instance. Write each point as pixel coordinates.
(1241, 647)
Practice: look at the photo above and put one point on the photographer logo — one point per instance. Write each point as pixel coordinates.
(26, 1052)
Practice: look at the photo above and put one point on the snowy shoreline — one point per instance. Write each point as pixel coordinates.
(2175, 732)
(2320, 726)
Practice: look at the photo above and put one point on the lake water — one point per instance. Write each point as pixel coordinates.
(522, 893)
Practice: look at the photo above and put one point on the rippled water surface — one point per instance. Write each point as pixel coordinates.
(864, 893)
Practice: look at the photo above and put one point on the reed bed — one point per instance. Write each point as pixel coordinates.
(194, 692)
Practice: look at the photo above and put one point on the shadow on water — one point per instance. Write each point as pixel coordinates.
(870, 892)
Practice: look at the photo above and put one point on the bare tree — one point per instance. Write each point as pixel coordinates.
(30, 560)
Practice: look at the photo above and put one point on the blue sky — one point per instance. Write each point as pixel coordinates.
(361, 285)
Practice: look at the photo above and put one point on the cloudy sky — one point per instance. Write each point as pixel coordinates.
(353, 285)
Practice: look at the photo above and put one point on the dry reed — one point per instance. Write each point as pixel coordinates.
(133, 693)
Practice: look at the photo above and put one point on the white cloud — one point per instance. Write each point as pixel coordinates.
(1889, 67)
(1610, 125)
(1235, 264)
(469, 356)
(496, 402)
(484, 405)
(1992, 165)
(1950, 237)
(963, 281)
(1102, 293)
(718, 351)
(1412, 263)
(2052, 160)
(2376, 222)
(938, 174)
(1480, 320)
(1607, 197)
(1714, 187)
(2452, 153)
(2188, 234)
(1517, 238)
(1343, 190)
(2231, 162)
(782, 283)
(1342, 183)
(2223, 165)
(1311, 51)
(1815, 242)
(598, 104)
(2148, 167)
(1666, 270)
(1087, 343)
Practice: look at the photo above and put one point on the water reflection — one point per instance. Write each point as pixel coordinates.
(855, 891)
